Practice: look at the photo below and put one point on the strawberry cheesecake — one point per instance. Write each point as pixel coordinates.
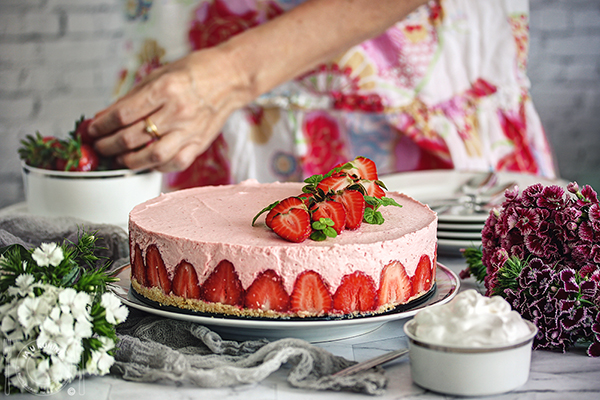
(283, 250)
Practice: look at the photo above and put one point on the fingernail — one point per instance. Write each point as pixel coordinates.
(92, 130)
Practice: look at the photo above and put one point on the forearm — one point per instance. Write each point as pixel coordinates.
(312, 33)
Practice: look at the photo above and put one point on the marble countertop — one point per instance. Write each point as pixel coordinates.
(553, 375)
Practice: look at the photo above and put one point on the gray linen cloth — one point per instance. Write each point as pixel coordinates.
(157, 349)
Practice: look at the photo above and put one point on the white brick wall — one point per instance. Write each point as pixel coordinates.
(564, 69)
(58, 59)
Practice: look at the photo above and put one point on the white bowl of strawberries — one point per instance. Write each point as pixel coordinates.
(66, 177)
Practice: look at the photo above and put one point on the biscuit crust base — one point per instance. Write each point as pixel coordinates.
(157, 295)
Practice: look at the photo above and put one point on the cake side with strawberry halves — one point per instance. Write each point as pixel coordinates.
(200, 249)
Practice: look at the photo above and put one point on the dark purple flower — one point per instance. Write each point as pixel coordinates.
(552, 197)
(545, 227)
(536, 311)
(553, 336)
(586, 232)
(594, 349)
(588, 270)
(589, 290)
(567, 277)
(594, 213)
(511, 194)
(571, 226)
(581, 253)
(536, 244)
(596, 253)
(536, 277)
(556, 234)
(573, 187)
(531, 194)
(572, 318)
(569, 214)
(526, 220)
(589, 194)
(596, 325)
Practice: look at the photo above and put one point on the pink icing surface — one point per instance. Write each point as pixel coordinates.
(206, 225)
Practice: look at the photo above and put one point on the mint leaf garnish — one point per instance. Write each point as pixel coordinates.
(372, 215)
(323, 228)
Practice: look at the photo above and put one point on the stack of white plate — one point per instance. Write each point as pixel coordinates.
(459, 231)
(458, 227)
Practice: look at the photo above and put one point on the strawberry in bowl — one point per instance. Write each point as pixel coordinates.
(74, 153)
(67, 177)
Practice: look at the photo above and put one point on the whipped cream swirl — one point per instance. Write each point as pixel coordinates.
(471, 320)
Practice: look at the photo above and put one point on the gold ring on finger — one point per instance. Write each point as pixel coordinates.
(151, 129)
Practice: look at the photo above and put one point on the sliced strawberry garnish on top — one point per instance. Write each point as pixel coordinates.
(361, 167)
(366, 168)
(267, 293)
(306, 198)
(294, 225)
(354, 204)
(185, 281)
(156, 272)
(138, 270)
(223, 286)
(332, 210)
(372, 188)
(310, 294)
(395, 286)
(283, 207)
(422, 280)
(335, 183)
(357, 292)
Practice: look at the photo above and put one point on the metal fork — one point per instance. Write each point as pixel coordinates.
(365, 365)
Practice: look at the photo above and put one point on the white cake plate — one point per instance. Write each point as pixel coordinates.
(447, 285)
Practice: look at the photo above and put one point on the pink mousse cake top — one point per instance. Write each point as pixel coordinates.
(205, 225)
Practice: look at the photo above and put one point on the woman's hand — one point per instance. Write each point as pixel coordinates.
(188, 101)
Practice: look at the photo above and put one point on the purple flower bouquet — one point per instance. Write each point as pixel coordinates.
(541, 252)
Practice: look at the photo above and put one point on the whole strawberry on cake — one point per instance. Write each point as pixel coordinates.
(337, 245)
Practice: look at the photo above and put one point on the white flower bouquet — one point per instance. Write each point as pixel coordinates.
(57, 318)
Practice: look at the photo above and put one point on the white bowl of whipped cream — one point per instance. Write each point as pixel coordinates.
(472, 346)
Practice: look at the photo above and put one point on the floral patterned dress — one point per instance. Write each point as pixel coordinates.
(444, 88)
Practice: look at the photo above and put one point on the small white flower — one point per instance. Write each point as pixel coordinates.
(74, 302)
(99, 363)
(61, 371)
(72, 353)
(115, 311)
(28, 313)
(83, 329)
(48, 254)
(23, 286)
(39, 375)
(8, 324)
(8, 316)
(57, 329)
(107, 343)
